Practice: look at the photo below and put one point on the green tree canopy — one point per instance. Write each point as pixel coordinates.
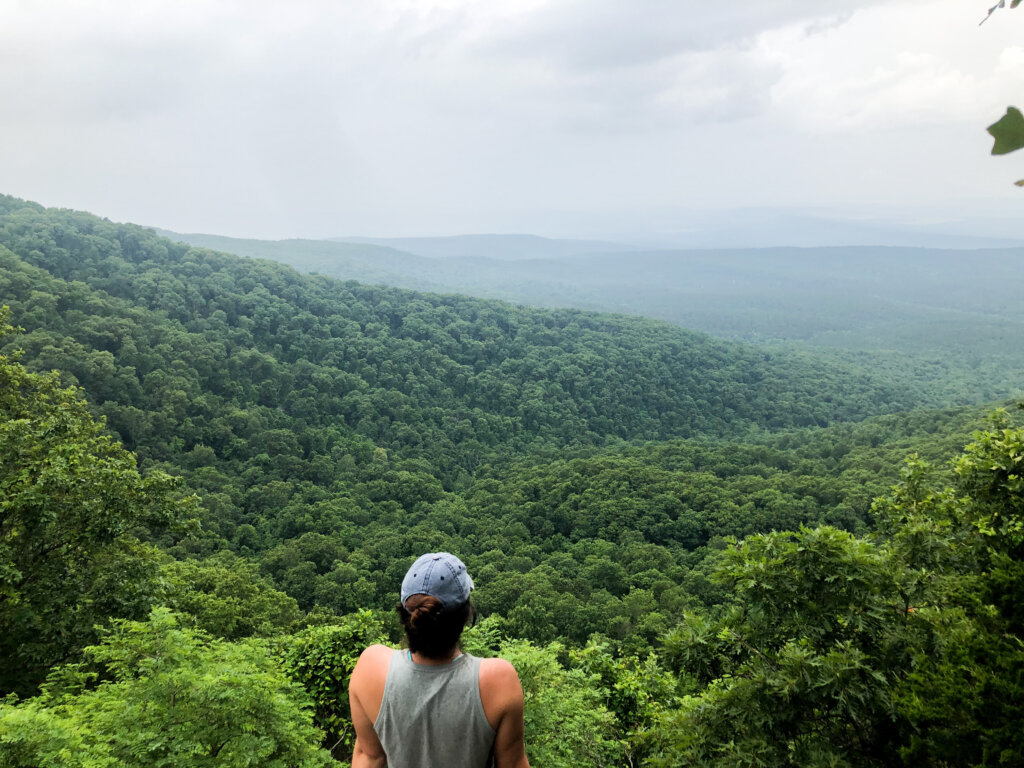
(71, 504)
(835, 650)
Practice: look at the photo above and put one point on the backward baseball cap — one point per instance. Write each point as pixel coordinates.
(441, 575)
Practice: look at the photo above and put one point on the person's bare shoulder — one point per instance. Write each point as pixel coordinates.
(372, 662)
(497, 672)
(366, 686)
(374, 653)
(365, 691)
(500, 690)
(502, 696)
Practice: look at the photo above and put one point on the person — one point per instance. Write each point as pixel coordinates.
(433, 706)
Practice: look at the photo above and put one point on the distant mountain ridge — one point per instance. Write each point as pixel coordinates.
(499, 247)
(773, 228)
(681, 286)
(940, 314)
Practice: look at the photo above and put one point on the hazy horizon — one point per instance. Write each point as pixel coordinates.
(654, 120)
(760, 229)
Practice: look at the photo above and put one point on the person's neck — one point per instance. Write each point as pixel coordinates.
(419, 658)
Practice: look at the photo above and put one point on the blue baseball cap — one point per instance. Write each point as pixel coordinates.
(441, 575)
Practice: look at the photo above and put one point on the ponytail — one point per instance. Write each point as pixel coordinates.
(430, 630)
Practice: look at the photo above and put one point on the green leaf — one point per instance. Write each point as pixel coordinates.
(1008, 132)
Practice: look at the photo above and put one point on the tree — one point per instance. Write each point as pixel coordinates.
(226, 597)
(321, 658)
(800, 670)
(71, 503)
(965, 694)
(638, 692)
(904, 649)
(170, 696)
(567, 724)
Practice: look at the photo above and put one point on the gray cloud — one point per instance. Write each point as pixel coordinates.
(648, 65)
(596, 35)
(253, 117)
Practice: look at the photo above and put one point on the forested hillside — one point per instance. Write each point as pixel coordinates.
(691, 549)
(300, 408)
(940, 320)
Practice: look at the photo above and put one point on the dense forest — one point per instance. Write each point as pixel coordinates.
(942, 321)
(214, 471)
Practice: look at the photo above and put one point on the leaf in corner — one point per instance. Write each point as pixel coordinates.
(1008, 132)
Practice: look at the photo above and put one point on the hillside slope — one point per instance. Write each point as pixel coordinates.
(942, 320)
(404, 370)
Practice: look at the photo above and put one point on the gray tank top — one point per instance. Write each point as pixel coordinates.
(432, 716)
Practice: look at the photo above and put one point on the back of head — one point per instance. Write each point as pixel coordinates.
(435, 604)
(430, 629)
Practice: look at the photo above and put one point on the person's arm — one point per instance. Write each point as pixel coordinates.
(365, 691)
(502, 696)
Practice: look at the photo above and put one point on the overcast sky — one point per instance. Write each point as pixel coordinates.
(557, 117)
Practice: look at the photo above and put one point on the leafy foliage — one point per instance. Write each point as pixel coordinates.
(690, 601)
(167, 696)
(567, 724)
(321, 658)
(966, 694)
(226, 597)
(1008, 132)
(638, 692)
(935, 321)
(71, 503)
(315, 419)
(839, 651)
(800, 670)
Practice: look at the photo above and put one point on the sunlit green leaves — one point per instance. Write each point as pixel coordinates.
(226, 597)
(567, 724)
(801, 668)
(171, 697)
(321, 659)
(907, 649)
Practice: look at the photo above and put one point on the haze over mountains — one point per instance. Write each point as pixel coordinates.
(931, 310)
(499, 247)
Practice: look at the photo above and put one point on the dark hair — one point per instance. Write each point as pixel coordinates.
(431, 630)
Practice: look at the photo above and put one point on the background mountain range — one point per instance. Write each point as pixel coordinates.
(946, 315)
